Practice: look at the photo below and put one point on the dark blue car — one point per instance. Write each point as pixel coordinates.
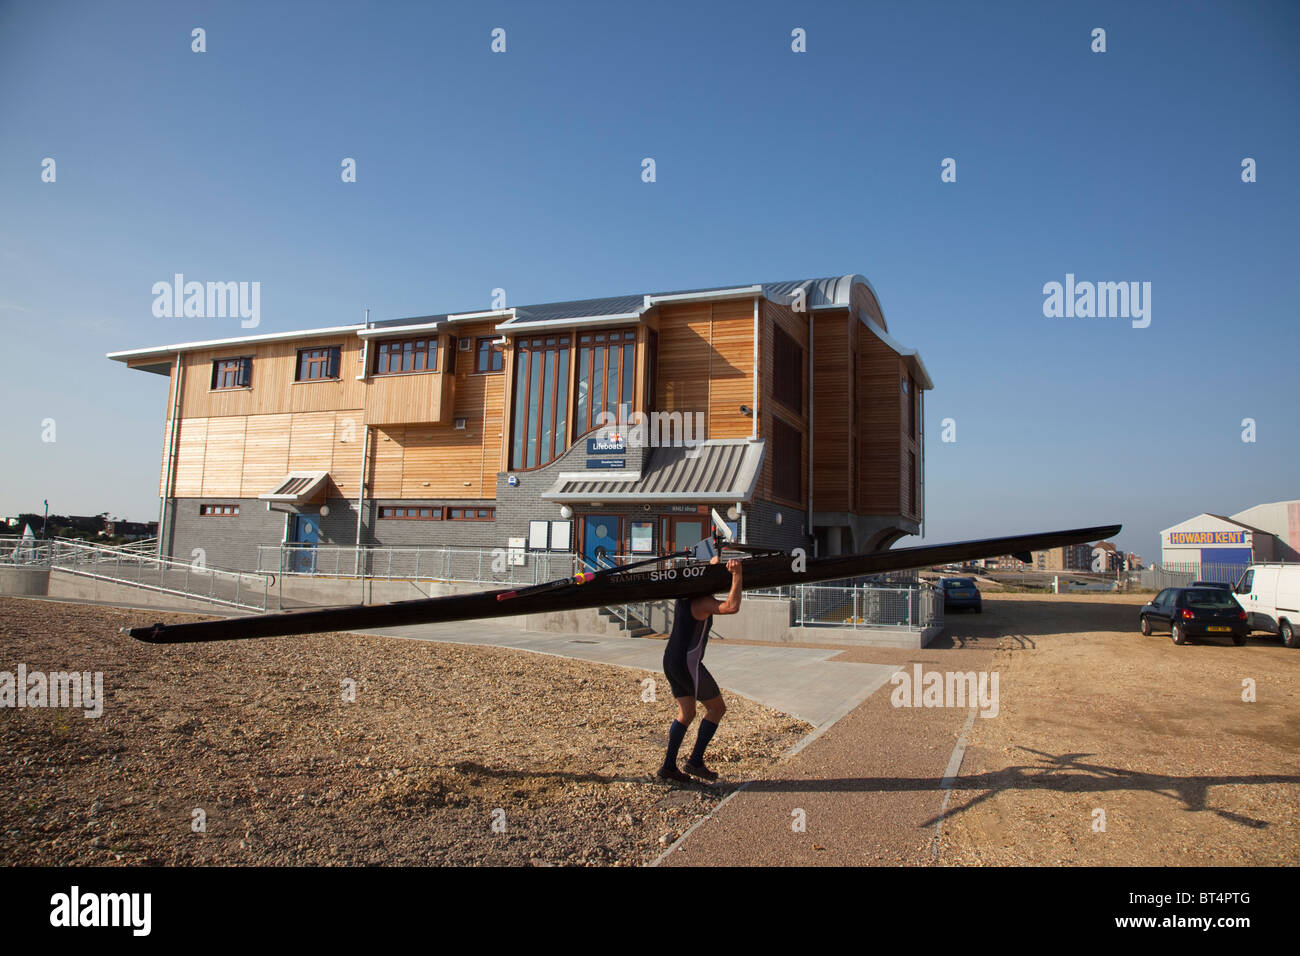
(961, 593)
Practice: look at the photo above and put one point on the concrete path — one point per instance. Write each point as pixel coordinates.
(799, 681)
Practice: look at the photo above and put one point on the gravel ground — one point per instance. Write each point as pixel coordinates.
(448, 755)
(1097, 719)
(1091, 716)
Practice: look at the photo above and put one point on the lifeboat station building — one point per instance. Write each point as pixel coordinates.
(606, 426)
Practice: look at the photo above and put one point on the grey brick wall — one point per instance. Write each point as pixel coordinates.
(763, 531)
(231, 542)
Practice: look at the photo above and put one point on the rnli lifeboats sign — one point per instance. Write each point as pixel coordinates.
(1207, 537)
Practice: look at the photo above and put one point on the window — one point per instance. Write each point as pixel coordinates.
(912, 481)
(787, 371)
(605, 376)
(541, 400)
(489, 355)
(412, 514)
(641, 537)
(787, 461)
(407, 355)
(470, 514)
(652, 369)
(219, 510)
(318, 364)
(909, 389)
(232, 373)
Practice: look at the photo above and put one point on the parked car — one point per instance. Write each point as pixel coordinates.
(1270, 594)
(1195, 612)
(961, 592)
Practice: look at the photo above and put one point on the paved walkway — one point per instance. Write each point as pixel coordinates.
(799, 681)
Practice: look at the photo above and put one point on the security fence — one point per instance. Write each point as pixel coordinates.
(864, 605)
(1178, 575)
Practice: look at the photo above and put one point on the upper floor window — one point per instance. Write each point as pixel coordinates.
(541, 373)
(489, 355)
(787, 371)
(605, 376)
(407, 355)
(233, 373)
(317, 364)
(909, 389)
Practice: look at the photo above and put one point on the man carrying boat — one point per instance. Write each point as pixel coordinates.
(690, 679)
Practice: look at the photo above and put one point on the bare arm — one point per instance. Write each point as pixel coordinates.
(704, 606)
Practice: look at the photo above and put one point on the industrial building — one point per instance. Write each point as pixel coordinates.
(787, 407)
(1266, 532)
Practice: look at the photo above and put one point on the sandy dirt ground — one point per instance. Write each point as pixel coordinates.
(1099, 725)
(449, 755)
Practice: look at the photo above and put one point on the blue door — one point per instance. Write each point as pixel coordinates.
(599, 541)
(306, 533)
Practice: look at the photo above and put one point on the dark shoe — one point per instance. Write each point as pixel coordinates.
(699, 770)
(673, 774)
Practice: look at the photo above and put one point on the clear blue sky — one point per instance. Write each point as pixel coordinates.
(522, 170)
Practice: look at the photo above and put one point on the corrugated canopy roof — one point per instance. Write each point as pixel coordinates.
(297, 487)
(712, 471)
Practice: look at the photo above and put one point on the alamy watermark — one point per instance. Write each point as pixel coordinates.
(82, 690)
(625, 429)
(208, 300)
(1101, 300)
(946, 689)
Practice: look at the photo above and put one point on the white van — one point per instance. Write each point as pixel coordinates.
(1270, 596)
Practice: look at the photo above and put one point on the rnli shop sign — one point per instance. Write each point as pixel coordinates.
(1207, 537)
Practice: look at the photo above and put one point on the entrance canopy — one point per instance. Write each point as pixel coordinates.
(711, 472)
(298, 487)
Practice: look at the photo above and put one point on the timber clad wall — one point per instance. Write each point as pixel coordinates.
(242, 442)
(706, 362)
(831, 417)
(794, 325)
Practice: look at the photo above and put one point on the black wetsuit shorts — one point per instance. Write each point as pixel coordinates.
(684, 655)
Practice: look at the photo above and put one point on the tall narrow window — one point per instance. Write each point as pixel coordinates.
(489, 355)
(787, 371)
(541, 398)
(909, 389)
(606, 363)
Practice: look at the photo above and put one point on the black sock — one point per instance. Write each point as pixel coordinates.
(676, 734)
(702, 738)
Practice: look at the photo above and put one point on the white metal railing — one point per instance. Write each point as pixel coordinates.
(240, 589)
(500, 566)
(855, 606)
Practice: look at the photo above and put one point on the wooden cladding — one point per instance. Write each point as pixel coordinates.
(704, 362)
(247, 457)
(419, 398)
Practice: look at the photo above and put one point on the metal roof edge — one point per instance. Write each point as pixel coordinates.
(126, 355)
